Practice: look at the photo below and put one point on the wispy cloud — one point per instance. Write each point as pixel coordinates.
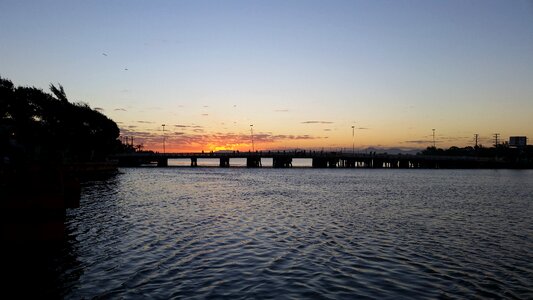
(281, 110)
(187, 126)
(145, 122)
(317, 122)
(120, 109)
(98, 109)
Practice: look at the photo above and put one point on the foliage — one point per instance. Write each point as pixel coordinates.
(503, 151)
(38, 126)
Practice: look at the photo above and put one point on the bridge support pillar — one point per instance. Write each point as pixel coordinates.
(162, 162)
(253, 162)
(367, 163)
(332, 162)
(377, 163)
(349, 163)
(281, 162)
(403, 164)
(194, 162)
(320, 162)
(224, 162)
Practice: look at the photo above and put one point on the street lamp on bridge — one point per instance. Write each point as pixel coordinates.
(252, 134)
(163, 138)
(433, 138)
(353, 139)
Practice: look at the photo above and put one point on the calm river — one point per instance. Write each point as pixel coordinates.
(301, 233)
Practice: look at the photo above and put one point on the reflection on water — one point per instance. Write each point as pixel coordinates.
(306, 233)
(37, 270)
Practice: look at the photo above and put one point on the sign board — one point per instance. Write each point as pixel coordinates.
(518, 141)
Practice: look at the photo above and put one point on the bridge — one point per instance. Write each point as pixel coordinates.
(320, 159)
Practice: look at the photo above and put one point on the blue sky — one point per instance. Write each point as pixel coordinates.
(303, 72)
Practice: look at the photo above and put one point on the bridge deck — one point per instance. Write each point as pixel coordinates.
(319, 158)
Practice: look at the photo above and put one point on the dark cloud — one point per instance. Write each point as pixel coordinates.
(363, 128)
(317, 122)
(98, 109)
(145, 122)
(205, 115)
(120, 109)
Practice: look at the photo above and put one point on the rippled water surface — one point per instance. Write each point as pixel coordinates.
(302, 233)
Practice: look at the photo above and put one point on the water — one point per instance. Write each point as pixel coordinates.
(302, 233)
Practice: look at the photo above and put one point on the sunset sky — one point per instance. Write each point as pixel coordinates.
(302, 72)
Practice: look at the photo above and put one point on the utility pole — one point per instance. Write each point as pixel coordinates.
(476, 137)
(163, 138)
(496, 136)
(252, 134)
(353, 139)
(433, 138)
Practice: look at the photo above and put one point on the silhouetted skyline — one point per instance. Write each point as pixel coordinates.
(302, 72)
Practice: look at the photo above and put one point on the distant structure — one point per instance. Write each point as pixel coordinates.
(518, 141)
(496, 137)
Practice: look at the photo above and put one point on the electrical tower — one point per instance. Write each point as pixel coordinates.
(476, 136)
(496, 136)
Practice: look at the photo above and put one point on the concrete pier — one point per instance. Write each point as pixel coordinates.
(162, 162)
(224, 162)
(319, 162)
(281, 162)
(253, 162)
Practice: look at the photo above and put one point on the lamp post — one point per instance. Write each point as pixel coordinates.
(353, 139)
(163, 138)
(252, 134)
(433, 138)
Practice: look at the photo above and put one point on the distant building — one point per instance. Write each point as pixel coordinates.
(517, 141)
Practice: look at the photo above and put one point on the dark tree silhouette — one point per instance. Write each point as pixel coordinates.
(43, 127)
